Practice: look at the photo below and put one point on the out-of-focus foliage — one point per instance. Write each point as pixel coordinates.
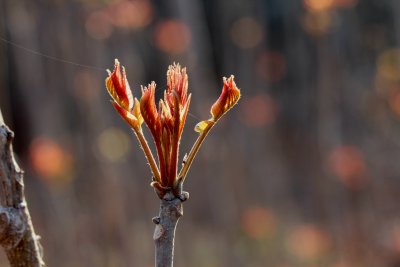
(303, 173)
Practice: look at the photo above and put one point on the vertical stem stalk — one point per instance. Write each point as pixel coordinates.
(164, 233)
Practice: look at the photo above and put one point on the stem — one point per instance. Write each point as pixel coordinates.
(193, 151)
(164, 233)
(148, 154)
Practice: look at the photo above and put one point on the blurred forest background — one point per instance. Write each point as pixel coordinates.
(304, 172)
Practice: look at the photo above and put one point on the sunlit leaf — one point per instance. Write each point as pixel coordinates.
(229, 97)
(201, 126)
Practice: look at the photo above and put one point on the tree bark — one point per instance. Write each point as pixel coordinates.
(17, 235)
(164, 234)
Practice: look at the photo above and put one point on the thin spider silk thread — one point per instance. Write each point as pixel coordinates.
(69, 62)
(50, 57)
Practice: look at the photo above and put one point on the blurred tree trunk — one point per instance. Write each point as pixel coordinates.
(17, 235)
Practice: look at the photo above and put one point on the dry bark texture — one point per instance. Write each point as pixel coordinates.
(17, 235)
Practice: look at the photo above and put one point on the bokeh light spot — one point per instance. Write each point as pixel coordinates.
(347, 163)
(394, 103)
(395, 238)
(258, 222)
(271, 66)
(86, 85)
(387, 78)
(113, 144)
(318, 5)
(172, 36)
(317, 24)
(308, 242)
(389, 65)
(131, 14)
(50, 160)
(258, 110)
(98, 25)
(246, 33)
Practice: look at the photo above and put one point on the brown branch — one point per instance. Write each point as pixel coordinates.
(17, 235)
(164, 233)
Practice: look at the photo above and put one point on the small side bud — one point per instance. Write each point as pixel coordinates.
(230, 95)
(118, 87)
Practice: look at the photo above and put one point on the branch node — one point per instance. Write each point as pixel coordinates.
(10, 135)
(156, 220)
(184, 196)
(168, 196)
(22, 205)
(12, 227)
(184, 160)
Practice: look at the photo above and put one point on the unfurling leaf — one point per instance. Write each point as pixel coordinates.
(127, 116)
(166, 121)
(148, 108)
(230, 95)
(136, 111)
(201, 126)
(118, 87)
